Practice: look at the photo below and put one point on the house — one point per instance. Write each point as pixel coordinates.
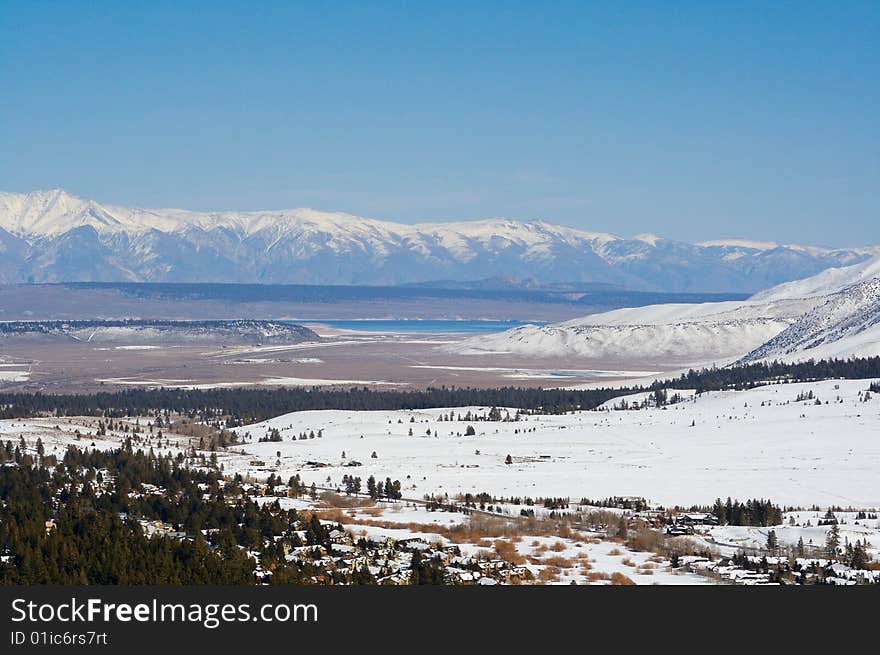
(680, 529)
(414, 543)
(461, 576)
(395, 579)
(698, 519)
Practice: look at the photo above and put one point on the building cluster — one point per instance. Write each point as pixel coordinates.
(391, 562)
(754, 570)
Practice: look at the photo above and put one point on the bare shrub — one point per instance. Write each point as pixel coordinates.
(508, 552)
(334, 515)
(548, 575)
(619, 579)
(685, 546)
(645, 539)
(332, 499)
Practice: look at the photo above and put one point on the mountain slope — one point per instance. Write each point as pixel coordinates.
(671, 335)
(51, 236)
(827, 282)
(832, 314)
(846, 324)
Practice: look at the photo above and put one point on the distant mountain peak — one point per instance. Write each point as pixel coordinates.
(740, 243)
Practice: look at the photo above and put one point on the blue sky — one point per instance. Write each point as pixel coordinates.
(689, 120)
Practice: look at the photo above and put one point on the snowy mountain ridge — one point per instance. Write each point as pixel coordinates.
(833, 314)
(825, 283)
(669, 334)
(846, 324)
(53, 236)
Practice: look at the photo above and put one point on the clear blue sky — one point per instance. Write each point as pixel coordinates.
(692, 120)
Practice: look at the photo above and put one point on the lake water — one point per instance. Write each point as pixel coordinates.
(426, 326)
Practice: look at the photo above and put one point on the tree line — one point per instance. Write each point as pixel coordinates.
(243, 406)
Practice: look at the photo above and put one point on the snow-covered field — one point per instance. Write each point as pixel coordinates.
(579, 557)
(14, 375)
(757, 443)
(748, 444)
(798, 525)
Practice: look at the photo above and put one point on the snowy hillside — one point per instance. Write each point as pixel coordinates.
(139, 333)
(823, 284)
(832, 314)
(676, 334)
(51, 236)
(846, 324)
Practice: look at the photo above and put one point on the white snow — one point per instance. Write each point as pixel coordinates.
(55, 212)
(365, 250)
(740, 243)
(793, 453)
(846, 323)
(833, 314)
(580, 557)
(827, 282)
(14, 375)
(669, 333)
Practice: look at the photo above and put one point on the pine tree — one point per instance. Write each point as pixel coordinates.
(832, 541)
(859, 556)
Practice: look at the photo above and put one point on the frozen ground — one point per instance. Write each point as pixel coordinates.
(748, 444)
(579, 446)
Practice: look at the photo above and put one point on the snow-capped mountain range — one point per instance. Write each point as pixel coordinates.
(52, 236)
(833, 314)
